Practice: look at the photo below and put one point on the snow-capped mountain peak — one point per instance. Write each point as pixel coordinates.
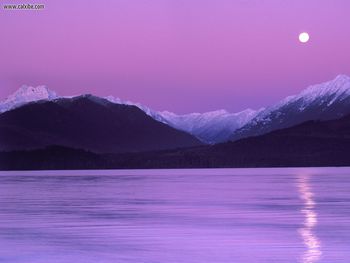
(26, 94)
(29, 93)
(210, 127)
(330, 91)
(338, 87)
(341, 78)
(324, 101)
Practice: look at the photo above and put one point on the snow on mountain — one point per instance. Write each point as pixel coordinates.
(26, 94)
(154, 114)
(325, 101)
(210, 127)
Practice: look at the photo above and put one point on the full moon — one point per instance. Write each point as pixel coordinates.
(304, 37)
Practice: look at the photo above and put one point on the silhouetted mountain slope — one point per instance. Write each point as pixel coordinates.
(88, 123)
(313, 143)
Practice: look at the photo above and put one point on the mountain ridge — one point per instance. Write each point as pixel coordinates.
(210, 127)
(324, 101)
(89, 123)
(328, 100)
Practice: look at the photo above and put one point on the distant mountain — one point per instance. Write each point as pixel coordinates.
(89, 123)
(210, 127)
(326, 101)
(313, 143)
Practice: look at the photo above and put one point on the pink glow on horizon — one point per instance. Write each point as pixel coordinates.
(182, 56)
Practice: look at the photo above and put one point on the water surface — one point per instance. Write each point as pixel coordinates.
(176, 216)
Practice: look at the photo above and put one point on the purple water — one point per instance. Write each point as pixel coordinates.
(176, 216)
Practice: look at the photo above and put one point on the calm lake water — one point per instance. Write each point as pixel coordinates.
(176, 216)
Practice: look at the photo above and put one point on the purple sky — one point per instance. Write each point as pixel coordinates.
(179, 55)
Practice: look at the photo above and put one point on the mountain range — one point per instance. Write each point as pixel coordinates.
(310, 144)
(87, 122)
(325, 101)
(36, 118)
(210, 127)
